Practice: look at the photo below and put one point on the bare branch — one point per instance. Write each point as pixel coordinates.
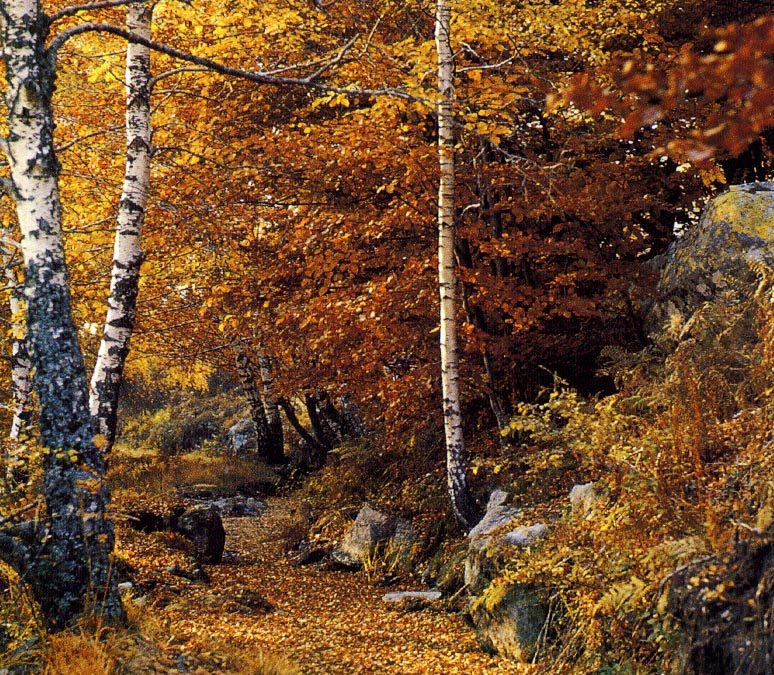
(18, 512)
(252, 76)
(89, 7)
(487, 66)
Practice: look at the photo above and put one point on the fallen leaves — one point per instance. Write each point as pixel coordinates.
(324, 621)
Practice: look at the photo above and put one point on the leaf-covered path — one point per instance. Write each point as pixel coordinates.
(326, 622)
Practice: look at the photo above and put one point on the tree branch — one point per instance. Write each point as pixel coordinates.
(252, 76)
(174, 71)
(290, 413)
(88, 7)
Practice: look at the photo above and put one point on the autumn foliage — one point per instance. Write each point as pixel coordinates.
(298, 223)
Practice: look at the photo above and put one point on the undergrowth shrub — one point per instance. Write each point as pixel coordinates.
(682, 462)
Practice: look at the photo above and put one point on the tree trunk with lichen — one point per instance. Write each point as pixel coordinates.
(273, 418)
(65, 559)
(21, 378)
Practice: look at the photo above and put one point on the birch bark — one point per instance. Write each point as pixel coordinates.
(447, 282)
(67, 563)
(21, 366)
(268, 448)
(127, 250)
(273, 419)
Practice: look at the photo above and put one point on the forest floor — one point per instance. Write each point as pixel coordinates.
(322, 621)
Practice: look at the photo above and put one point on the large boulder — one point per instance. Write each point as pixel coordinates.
(203, 525)
(370, 531)
(512, 624)
(717, 257)
(509, 620)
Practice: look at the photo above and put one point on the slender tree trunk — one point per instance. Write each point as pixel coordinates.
(447, 283)
(127, 251)
(66, 562)
(273, 418)
(311, 441)
(320, 427)
(268, 449)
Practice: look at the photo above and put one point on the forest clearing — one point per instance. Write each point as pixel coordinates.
(387, 337)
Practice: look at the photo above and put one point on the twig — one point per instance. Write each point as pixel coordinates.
(88, 7)
(18, 512)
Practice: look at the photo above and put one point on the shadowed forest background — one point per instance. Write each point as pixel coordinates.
(231, 434)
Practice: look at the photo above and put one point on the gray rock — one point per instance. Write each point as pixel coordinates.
(125, 587)
(512, 627)
(498, 515)
(203, 525)
(400, 596)
(242, 437)
(582, 498)
(403, 540)
(237, 507)
(735, 232)
(526, 535)
(370, 529)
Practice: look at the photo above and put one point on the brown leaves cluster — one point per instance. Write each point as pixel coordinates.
(735, 78)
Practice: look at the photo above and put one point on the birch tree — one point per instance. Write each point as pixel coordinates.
(65, 560)
(263, 409)
(273, 419)
(127, 252)
(447, 280)
(21, 369)
(21, 377)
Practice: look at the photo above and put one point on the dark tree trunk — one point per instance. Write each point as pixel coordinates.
(269, 449)
(319, 449)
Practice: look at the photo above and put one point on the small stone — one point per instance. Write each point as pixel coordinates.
(125, 587)
(526, 536)
(582, 498)
(399, 596)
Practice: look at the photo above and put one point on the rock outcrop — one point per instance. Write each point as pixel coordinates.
(718, 256)
(241, 437)
(508, 623)
(203, 526)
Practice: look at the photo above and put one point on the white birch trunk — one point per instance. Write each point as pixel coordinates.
(269, 399)
(273, 418)
(21, 377)
(127, 250)
(70, 566)
(447, 282)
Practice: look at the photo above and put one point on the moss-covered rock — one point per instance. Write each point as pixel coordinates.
(717, 258)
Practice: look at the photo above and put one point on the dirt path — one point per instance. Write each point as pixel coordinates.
(325, 622)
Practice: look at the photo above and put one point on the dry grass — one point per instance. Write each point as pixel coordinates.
(256, 662)
(79, 653)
